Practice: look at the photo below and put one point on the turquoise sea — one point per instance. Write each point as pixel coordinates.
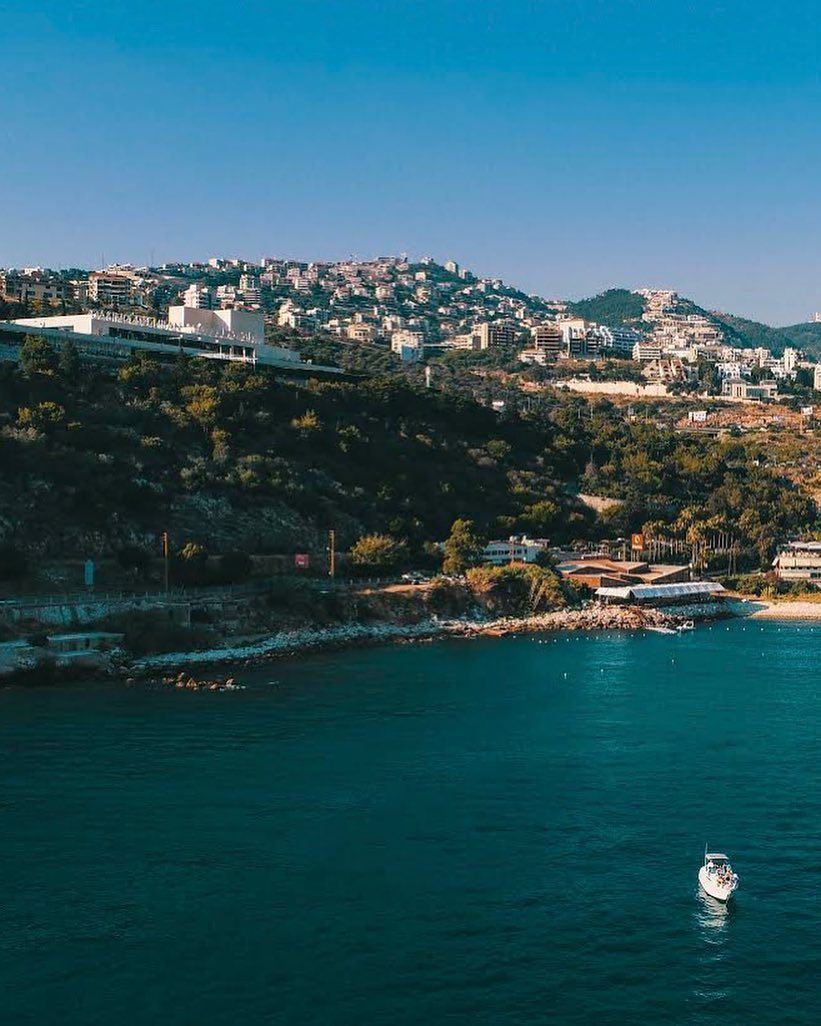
(502, 831)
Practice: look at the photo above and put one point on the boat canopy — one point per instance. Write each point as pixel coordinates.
(717, 856)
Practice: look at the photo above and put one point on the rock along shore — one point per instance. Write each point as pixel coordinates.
(311, 639)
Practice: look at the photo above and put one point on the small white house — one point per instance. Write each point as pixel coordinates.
(516, 549)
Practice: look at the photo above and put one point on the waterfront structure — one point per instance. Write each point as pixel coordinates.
(601, 571)
(798, 561)
(684, 594)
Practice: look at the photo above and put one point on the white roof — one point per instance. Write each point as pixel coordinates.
(649, 591)
(672, 590)
(614, 592)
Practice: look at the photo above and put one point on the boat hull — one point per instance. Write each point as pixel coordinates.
(712, 887)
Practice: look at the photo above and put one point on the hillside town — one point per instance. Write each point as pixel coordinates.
(228, 308)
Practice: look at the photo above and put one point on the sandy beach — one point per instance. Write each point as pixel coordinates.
(764, 609)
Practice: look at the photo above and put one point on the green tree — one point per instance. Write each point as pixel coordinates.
(42, 417)
(37, 357)
(378, 552)
(69, 362)
(463, 547)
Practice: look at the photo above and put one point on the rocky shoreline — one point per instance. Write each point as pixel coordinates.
(299, 642)
(194, 670)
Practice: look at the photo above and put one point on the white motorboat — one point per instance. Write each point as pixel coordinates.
(688, 625)
(661, 630)
(716, 876)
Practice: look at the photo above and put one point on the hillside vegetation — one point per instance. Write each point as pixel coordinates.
(613, 307)
(753, 333)
(227, 458)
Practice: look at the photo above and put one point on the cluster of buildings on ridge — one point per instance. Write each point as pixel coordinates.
(418, 309)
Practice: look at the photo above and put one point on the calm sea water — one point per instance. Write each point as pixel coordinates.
(500, 831)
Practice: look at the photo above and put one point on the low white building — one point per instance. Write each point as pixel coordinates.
(516, 549)
(234, 335)
(799, 561)
(736, 388)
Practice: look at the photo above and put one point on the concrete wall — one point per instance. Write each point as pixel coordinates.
(76, 613)
(628, 388)
(217, 322)
(85, 323)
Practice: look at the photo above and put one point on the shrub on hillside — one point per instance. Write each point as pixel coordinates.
(378, 553)
(519, 589)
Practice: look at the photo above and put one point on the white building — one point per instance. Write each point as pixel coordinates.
(620, 340)
(643, 352)
(409, 346)
(738, 389)
(495, 333)
(232, 335)
(516, 549)
(199, 296)
(799, 561)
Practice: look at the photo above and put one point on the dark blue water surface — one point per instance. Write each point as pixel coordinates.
(498, 831)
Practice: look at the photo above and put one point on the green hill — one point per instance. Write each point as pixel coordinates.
(97, 460)
(613, 307)
(753, 333)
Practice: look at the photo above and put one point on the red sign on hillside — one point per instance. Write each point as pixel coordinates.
(302, 560)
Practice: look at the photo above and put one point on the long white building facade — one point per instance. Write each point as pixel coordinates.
(233, 335)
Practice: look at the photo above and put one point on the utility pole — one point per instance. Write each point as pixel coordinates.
(165, 558)
(332, 553)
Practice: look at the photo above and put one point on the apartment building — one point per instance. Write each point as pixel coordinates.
(645, 351)
(108, 289)
(364, 333)
(548, 340)
(200, 297)
(34, 286)
(495, 333)
(798, 561)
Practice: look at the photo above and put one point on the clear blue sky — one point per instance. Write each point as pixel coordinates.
(565, 146)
